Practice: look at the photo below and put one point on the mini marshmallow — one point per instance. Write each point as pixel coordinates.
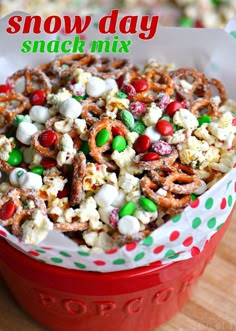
(152, 133)
(201, 189)
(15, 175)
(25, 131)
(31, 181)
(128, 225)
(39, 126)
(106, 195)
(120, 200)
(105, 213)
(70, 108)
(96, 87)
(111, 84)
(39, 114)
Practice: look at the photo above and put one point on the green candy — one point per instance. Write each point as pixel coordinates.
(127, 118)
(84, 148)
(15, 157)
(119, 143)
(148, 204)
(193, 196)
(21, 118)
(186, 22)
(38, 170)
(166, 118)
(204, 119)
(139, 127)
(127, 209)
(121, 95)
(79, 97)
(102, 137)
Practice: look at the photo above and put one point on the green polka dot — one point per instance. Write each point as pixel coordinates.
(209, 203)
(174, 256)
(65, 254)
(233, 34)
(56, 260)
(80, 265)
(211, 223)
(170, 254)
(230, 200)
(83, 253)
(139, 256)
(148, 241)
(228, 184)
(196, 222)
(119, 261)
(176, 218)
(219, 226)
(40, 251)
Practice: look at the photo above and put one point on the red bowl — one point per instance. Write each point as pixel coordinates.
(139, 299)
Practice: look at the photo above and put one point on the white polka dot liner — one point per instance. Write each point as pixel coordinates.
(179, 239)
(210, 51)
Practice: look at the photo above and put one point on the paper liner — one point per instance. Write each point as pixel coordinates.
(211, 51)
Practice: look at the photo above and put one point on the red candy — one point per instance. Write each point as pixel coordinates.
(137, 108)
(150, 156)
(48, 163)
(64, 192)
(38, 97)
(4, 88)
(114, 217)
(120, 81)
(130, 91)
(234, 121)
(162, 147)
(140, 85)
(47, 138)
(173, 107)
(116, 131)
(142, 144)
(165, 128)
(7, 210)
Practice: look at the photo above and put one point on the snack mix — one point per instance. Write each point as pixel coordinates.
(107, 152)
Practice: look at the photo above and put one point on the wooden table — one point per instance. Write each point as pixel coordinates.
(212, 307)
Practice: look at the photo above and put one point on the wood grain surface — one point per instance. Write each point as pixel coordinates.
(212, 307)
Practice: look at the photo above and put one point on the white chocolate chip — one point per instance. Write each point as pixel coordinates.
(70, 108)
(25, 131)
(39, 114)
(128, 225)
(106, 195)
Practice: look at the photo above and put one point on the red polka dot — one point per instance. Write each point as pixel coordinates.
(174, 235)
(112, 251)
(223, 203)
(188, 241)
(131, 246)
(195, 251)
(33, 253)
(3, 233)
(47, 248)
(195, 203)
(158, 249)
(235, 187)
(99, 262)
